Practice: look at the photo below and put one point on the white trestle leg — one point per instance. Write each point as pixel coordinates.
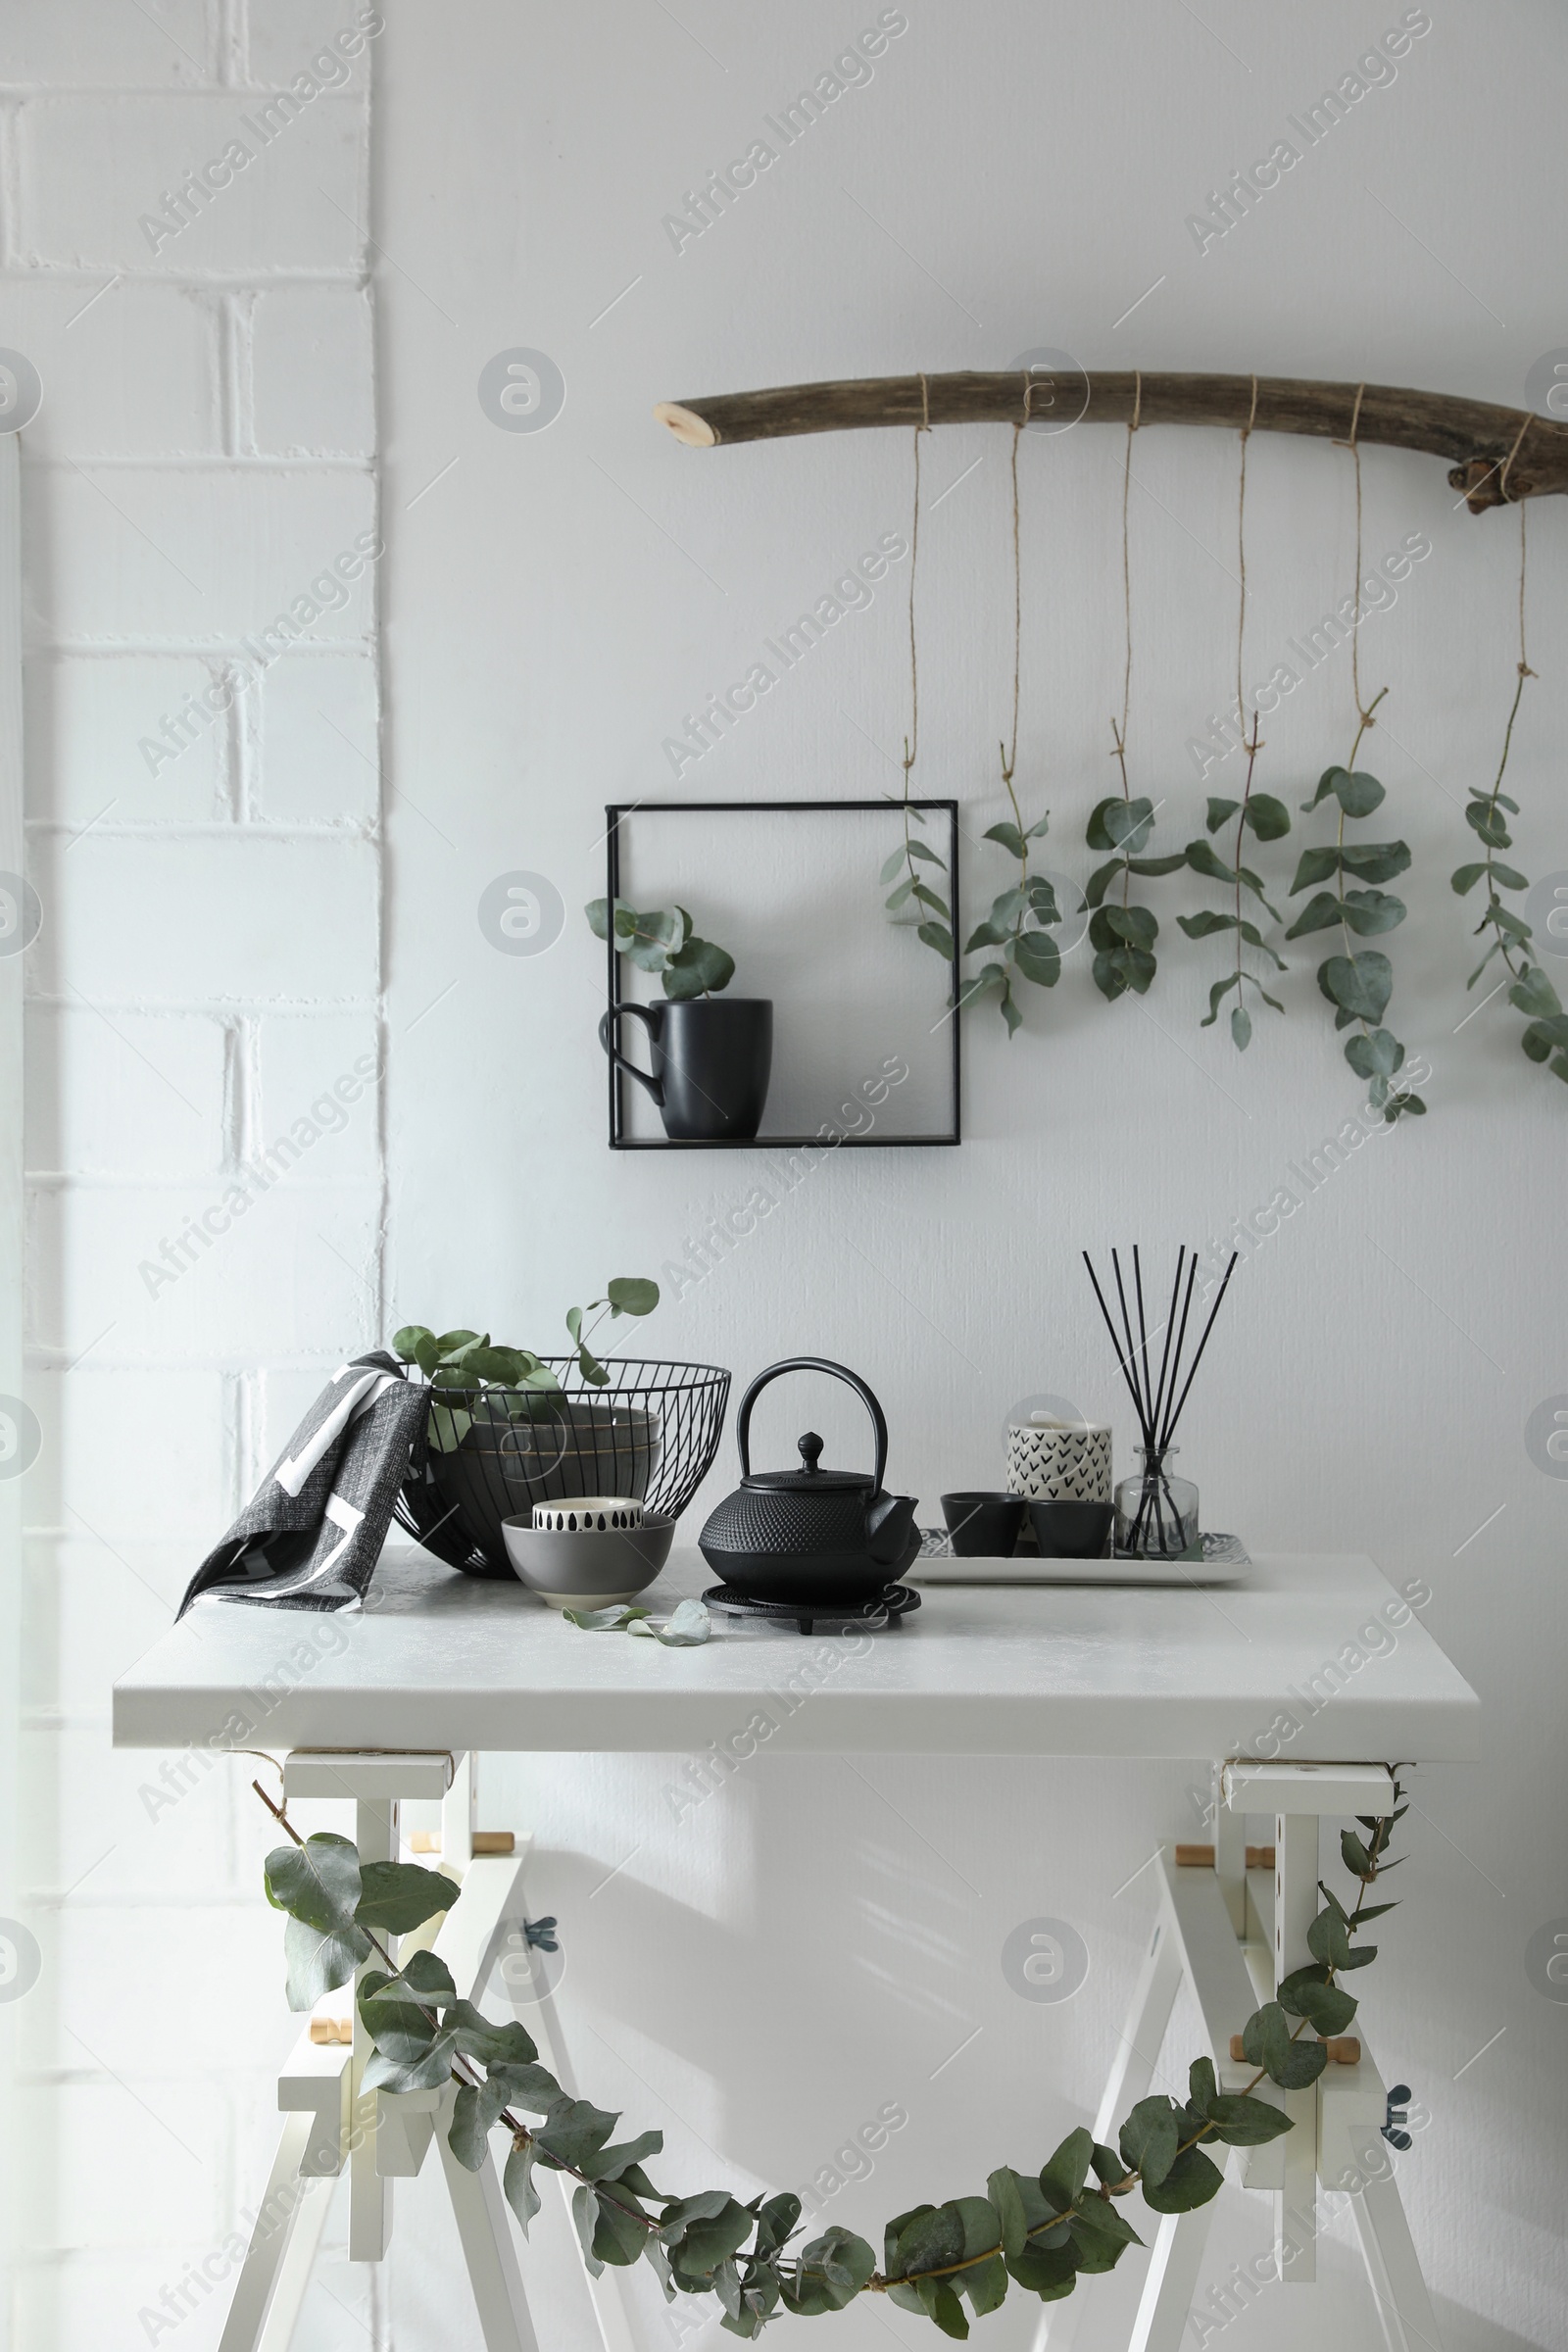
(1294, 1909)
(1171, 2282)
(1212, 1920)
(380, 2136)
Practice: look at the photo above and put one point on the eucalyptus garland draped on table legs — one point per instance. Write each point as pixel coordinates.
(1040, 2231)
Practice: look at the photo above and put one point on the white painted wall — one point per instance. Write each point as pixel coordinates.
(769, 1969)
(1006, 178)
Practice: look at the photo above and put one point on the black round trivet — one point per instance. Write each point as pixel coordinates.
(874, 1615)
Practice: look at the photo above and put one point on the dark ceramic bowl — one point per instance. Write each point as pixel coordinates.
(983, 1526)
(1071, 1531)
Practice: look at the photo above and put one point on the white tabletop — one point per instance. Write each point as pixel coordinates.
(1314, 1657)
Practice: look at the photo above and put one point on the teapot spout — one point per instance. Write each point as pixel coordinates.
(889, 1525)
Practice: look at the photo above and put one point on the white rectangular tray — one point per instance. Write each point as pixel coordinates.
(1224, 1562)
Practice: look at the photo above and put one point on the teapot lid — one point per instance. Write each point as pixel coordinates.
(809, 1480)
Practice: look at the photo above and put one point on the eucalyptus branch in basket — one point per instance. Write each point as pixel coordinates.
(466, 1360)
(1039, 2231)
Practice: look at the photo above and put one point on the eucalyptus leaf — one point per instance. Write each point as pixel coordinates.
(1484, 819)
(399, 1897)
(1313, 866)
(1149, 2138)
(1218, 994)
(1328, 1938)
(1194, 2179)
(1266, 816)
(1369, 912)
(700, 969)
(1120, 968)
(1532, 994)
(1205, 924)
(518, 2187)
(1375, 861)
(1121, 824)
(1063, 2173)
(1377, 1054)
(1246, 2123)
(1267, 2042)
(1097, 2217)
(475, 2112)
(1037, 957)
(1360, 985)
(1009, 837)
(1004, 2189)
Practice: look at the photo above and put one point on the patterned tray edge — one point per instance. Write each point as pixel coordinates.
(1224, 1550)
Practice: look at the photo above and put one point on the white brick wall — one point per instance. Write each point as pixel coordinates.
(209, 966)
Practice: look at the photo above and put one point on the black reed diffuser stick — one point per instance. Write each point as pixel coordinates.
(1157, 1403)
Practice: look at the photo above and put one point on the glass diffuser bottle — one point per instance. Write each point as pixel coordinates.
(1156, 1512)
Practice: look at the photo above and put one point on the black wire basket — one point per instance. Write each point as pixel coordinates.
(491, 1454)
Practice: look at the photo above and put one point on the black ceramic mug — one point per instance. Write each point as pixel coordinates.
(712, 1058)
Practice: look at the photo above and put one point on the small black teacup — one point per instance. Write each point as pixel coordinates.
(1071, 1531)
(983, 1526)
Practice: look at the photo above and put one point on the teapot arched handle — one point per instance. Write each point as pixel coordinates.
(812, 1363)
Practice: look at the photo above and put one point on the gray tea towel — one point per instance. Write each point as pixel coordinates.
(311, 1534)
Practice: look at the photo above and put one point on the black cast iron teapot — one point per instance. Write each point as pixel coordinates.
(828, 1537)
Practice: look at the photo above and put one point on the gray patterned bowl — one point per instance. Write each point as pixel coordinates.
(585, 1568)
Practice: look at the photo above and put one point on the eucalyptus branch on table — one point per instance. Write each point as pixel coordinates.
(1039, 2231)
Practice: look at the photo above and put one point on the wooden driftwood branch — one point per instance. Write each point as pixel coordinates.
(1489, 462)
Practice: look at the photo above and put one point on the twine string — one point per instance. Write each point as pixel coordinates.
(912, 740)
(1365, 716)
(1241, 559)
(1010, 758)
(1119, 734)
(1518, 444)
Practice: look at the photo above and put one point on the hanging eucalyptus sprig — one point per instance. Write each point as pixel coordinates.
(1257, 812)
(1530, 991)
(1121, 934)
(1359, 983)
(1039, 2231)
(1019, 917)
(917, 862)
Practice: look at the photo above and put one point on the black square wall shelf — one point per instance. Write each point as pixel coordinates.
(865, 1027)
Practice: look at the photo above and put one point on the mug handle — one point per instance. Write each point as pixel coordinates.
(643, 1013)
